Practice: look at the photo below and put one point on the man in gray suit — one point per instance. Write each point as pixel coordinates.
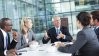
(87, 43)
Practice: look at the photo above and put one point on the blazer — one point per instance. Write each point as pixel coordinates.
(97, 32)
(52, 34)
(86, 44)
(10, 45)
(22, 41)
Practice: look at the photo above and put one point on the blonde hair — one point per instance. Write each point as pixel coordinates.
(23, 21)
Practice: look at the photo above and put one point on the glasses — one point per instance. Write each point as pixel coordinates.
(9, 25)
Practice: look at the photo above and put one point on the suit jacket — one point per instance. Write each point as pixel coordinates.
(87, 43)
(97, 32)
(52, 34)
(22, 41)
(10, 45)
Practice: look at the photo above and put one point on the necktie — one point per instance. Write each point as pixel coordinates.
(58, 31)
(6, 42)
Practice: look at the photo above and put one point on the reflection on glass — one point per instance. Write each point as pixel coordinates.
(42, 11)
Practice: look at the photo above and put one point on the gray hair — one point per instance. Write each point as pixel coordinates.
(55, 17)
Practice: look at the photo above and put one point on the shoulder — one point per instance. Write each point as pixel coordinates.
(64, 27)
(86, 32)
(51, 29)
(80, 32)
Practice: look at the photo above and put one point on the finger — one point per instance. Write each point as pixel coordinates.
(12, 50)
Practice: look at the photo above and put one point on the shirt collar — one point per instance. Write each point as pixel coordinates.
(57, 28)
(97, 27)
(4, 33)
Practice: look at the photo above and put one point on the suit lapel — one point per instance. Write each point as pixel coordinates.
(62, 30)
(54, 31)
(24, 40)
(8, 38)
(2, 39)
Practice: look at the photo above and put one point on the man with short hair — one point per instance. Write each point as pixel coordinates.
(7, 48)
(95, 17)
(57, 33)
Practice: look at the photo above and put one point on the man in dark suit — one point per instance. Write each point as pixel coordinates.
(95, 23)
(7, 48)
(57, 33)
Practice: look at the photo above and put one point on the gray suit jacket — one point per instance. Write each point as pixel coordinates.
(22, 41)
(87, 43)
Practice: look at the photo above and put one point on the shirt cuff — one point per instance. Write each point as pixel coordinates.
(64, 37)
(5, 52)
(15, 40)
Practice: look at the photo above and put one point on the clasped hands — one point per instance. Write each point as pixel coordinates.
(60, 35)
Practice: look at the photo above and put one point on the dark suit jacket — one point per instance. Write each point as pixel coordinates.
(10, 45)
(52, 34)
(97, 32)
(87, 43)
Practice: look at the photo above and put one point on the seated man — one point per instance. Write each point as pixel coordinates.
(57, 33)
(7, 48)
(95, 22)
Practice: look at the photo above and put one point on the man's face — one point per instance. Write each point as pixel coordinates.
(8, 25)
(57, 21)
(92, 22)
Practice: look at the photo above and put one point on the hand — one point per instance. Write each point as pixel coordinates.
(11, 52)
(61, 35)
(58, 44)
(46, 35)
(15, 35)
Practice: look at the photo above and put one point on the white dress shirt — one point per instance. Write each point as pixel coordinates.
(4, 34)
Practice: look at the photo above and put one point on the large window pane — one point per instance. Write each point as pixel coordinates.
(86, 4)
(1, 9)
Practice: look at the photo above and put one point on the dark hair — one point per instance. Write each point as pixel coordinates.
(95, 15)
(84, 18)
(3, 22)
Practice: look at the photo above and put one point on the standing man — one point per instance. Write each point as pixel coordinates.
(7, 48)
(95, 17)
(57, 33)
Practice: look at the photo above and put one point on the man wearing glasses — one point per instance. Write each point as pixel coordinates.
(7, 48)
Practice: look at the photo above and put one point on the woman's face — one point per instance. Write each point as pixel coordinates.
(78, 23)
(29, 24)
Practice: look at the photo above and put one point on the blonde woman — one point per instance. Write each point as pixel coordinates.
(26, 35)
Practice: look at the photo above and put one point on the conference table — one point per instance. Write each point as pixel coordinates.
(42, 50)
